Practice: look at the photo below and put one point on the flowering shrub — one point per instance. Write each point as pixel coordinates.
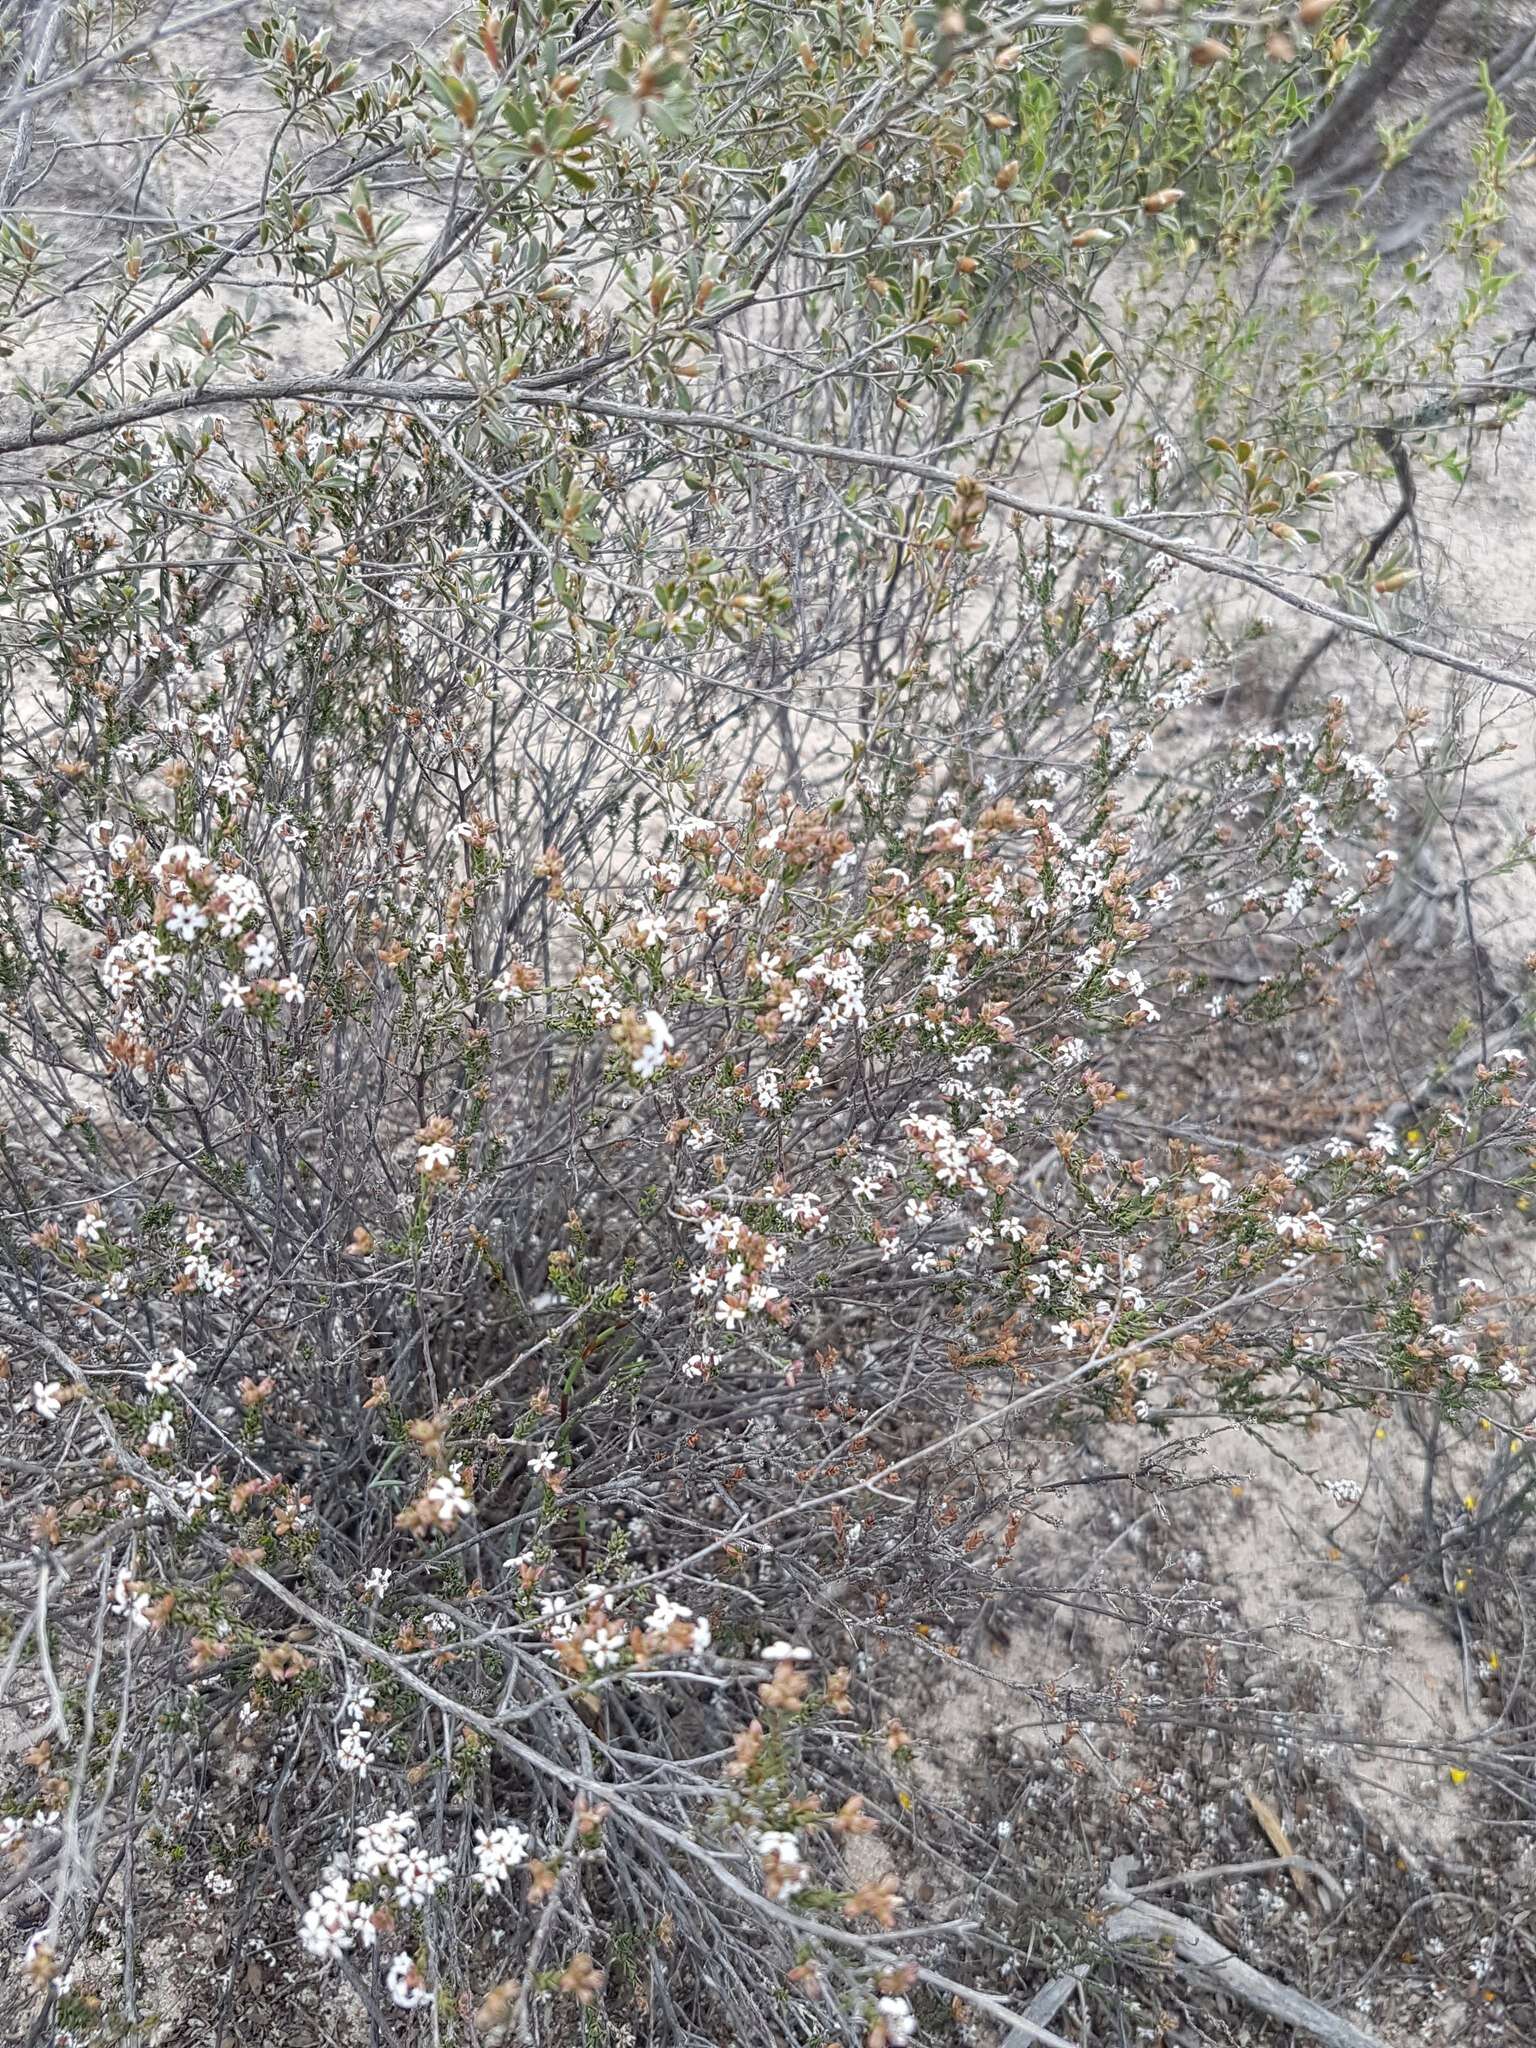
(590, 981)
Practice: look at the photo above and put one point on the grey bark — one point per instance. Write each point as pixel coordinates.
(1201, 1957)
(1204, 1961)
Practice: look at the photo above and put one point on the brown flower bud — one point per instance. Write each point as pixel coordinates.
(581, 1979)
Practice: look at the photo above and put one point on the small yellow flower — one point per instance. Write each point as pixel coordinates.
(1458, 1777)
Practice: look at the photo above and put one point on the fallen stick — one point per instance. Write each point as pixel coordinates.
(1202, 1956)
(1049, 2000)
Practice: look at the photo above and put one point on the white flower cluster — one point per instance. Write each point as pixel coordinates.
(738, 1264)
(830, 991)
(196, 900)
(172, 1371)
(209, 1266)
(897, 2019)
(354, 1748)
(670, 1618)
(130, 1600)
(390, 1866)
(805, 1211)
(585, 1618)
(435, 1156)
(404, 1983)
(334, 1921)
(657, 1044)
(14, 1830)
(136, 959)
(498, 1852)
(446, 1498)
(969, 1160)
(785, 1869)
